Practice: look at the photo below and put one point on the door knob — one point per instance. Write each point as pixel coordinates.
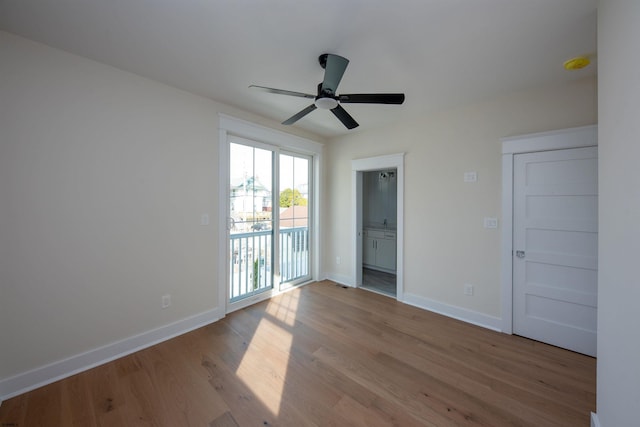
(520, 254)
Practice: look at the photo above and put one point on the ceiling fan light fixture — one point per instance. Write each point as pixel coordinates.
(326, 103)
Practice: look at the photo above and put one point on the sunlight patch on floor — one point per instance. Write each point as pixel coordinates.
(265, 363)
(285, 307)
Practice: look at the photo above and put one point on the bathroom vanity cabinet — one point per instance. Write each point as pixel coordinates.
(379, 250)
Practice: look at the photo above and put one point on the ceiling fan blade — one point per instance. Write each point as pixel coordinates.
(373, 98)
(333, 72)
(344, 117)
(284, 92)
(291, 120)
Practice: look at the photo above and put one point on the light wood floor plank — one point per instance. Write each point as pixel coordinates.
(77, 406)
(323, 355)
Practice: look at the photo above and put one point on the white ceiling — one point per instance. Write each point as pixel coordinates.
(440, 53)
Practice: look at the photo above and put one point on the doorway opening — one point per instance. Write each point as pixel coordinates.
(379, 219)
(378, 200)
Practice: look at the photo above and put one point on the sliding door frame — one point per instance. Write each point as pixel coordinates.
(233, 127)
(310, 217)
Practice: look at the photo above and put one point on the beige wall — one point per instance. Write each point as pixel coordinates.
(619, 213)
(103, 178)
(446, 245)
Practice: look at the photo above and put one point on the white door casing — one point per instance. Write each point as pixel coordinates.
(555, 242)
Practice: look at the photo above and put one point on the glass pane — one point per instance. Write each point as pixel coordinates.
(294, 218)
(251, 235)
(251, 189)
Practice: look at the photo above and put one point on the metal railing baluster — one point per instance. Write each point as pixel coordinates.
(252, 252)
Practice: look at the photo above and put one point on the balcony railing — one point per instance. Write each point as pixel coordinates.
(251, 271)
(294, 253)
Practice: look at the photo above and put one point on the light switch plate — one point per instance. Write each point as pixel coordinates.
(490, 222)
(470, 176)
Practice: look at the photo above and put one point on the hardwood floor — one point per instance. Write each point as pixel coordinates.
(328, 356)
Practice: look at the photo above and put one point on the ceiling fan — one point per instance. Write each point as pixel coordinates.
(326, 99)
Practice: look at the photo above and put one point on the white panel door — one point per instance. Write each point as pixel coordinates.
(555, 247)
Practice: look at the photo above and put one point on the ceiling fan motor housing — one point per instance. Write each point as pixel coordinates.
(325, 100)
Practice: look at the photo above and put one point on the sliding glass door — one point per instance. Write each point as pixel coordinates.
(269, 221)
(294, 221)
(250, 220)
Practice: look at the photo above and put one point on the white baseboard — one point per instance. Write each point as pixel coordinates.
(595, 422)
(339, 278)
(469, 316)
(30, 380)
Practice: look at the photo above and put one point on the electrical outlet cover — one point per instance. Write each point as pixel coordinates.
(166, 301)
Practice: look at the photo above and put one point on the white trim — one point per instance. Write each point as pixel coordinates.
(357, 200)
(585, 136)
(315, 217)
(267, 135)
(506, 271)
(223, 220)
(61, 369)
(469, 316)
(375, 163)
(595, 421)
(246, 302)
(254, 299)
(341, 279)
(231, 127)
